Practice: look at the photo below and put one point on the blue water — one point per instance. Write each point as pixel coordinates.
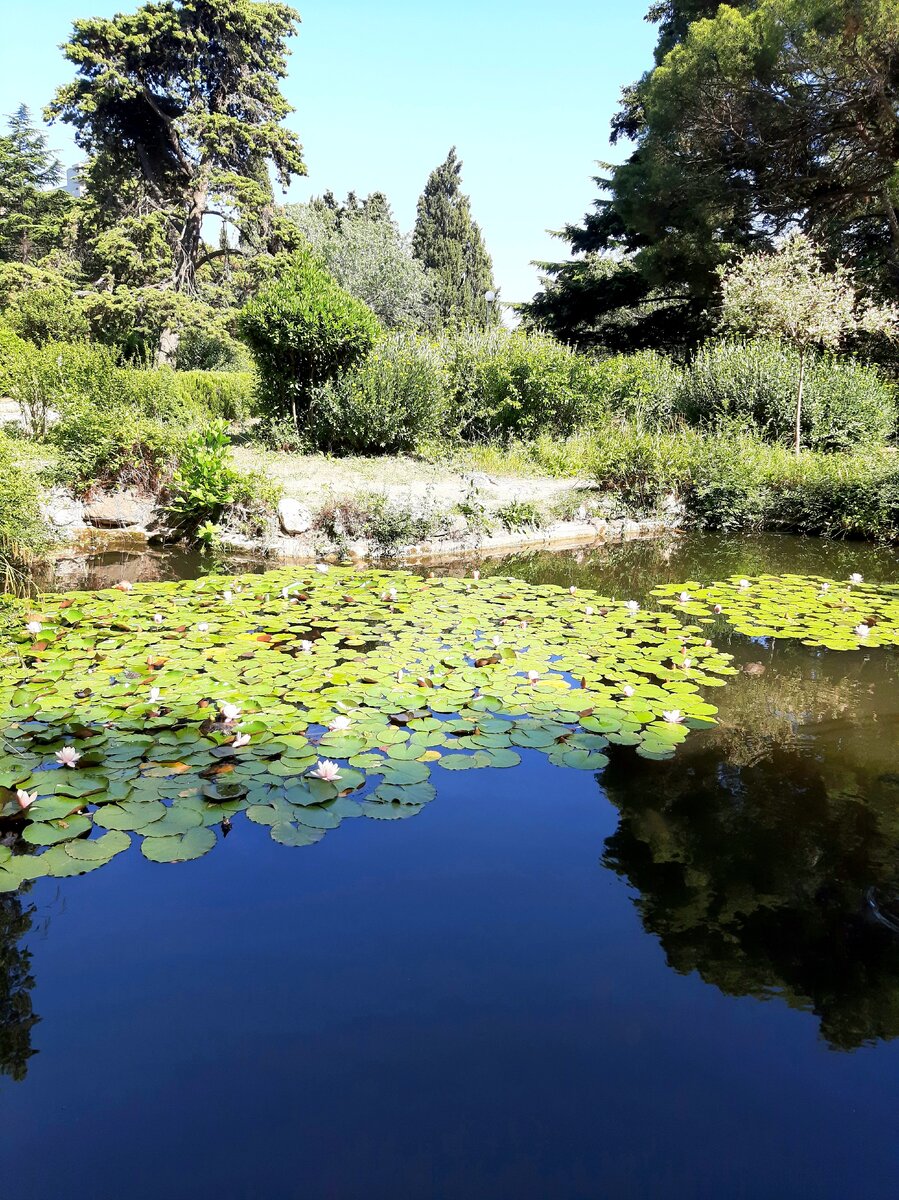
(515, 995)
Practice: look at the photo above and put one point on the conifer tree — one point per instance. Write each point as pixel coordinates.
(449, 243)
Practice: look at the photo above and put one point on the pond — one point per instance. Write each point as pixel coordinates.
(666, 977)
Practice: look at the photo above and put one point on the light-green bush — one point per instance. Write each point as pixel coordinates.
(504, 385)
(304, 329)
(224, 395)
(390, 401)
(642, 387)
(753, 385)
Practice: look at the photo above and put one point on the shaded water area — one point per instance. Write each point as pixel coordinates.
(671, 979)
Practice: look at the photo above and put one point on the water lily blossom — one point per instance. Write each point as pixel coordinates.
(124, 585)
(627, 690)
(572, 589)
(68, 756)
(228, 596)
(687, 664)
(744, 584)
(339, 724)
(34, 627)
(25, 799)
(496, 640)
(322, 568)
(588, 611)
(230, 712)
(476, 574)
(673, 716)
(718, 609)
(327, 770)
(305, 645)
(241, 739)
(856, 578)
(155, 693)
(157, 618)
(533, 676)
(862, 631)
(632, 606)
(685, 597)
(203, 627)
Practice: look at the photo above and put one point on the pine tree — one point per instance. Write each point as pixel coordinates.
(449, 243)
(33, 210)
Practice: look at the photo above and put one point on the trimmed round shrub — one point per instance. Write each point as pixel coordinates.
(303, 329)
(390, 401)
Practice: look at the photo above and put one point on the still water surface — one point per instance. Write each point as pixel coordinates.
(677, 979)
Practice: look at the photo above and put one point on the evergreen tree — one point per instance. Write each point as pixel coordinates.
(449, 243)
(34, 212)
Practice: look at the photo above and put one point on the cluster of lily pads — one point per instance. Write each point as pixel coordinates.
(836, 615)
(162, 711)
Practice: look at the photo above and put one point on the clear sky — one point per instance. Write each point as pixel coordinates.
(382, 90)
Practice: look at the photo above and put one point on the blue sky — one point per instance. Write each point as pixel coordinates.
(381, 91)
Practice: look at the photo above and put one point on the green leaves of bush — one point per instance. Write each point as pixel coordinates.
(303, 329)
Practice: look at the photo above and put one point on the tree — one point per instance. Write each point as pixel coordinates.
(34, 212)
(179, 109)
(361, 245)
(790, 295)
(758, 117)
(449, 243)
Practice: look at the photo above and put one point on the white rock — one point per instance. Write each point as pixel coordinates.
(293, 516)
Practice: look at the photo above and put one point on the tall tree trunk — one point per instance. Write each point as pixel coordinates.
(799, 393)
(190, 244)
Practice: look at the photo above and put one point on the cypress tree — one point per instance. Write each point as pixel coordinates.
(450, 245)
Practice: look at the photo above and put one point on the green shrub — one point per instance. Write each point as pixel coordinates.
(22, 531)
(388, 402)
(13, 350)
(59, 377)
(505, 385)
(115, 446)
(752, 385)
(219, 395)
(641, 387)
(303, 329)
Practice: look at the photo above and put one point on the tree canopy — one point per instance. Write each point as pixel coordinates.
(34, 212)
(448, 242)
(179, 110)
(758, 117)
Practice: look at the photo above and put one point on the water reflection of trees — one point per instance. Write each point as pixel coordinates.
(17, 1016)
(754, 851)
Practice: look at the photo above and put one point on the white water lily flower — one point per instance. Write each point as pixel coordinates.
(476, 574)
(228, 596)
(203, 627)
(68, 756)
(673, 716)
(856, 578)
(718, 609)
(572, 589)
(685, 597)
(533, 676)
(627, 690)
(241, 739)
(124, 585)
(25, 799)
(744, 583)
(632, 606)
(862, 631)
(322, 568)
(155, 693)
(339, 724)
(496, 640)
(157, 618)
(688, 663)
(327, 770)
(34, 627)
(588, 611)
(230, 712)
(305, 645)
(825, 587)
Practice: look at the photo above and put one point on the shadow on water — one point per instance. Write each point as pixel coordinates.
(765, 856)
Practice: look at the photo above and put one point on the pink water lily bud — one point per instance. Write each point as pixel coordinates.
(34, 627)
(718, 608)
(688, 663)
(327, 770)
(25, 799)
(68, 756)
